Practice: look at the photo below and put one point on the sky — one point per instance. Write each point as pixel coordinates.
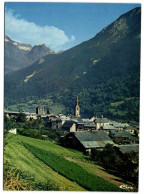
(59, 25)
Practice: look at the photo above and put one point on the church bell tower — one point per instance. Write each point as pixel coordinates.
(77, 108)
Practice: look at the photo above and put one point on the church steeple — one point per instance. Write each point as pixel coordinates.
(77, 101)
(77, 108)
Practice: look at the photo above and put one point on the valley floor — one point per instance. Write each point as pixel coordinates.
(25, 154)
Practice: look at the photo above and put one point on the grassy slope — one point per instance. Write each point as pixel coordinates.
(19, 156)
(71, 170)
(114, 104)
(100, 171)
(41, 172)
(30, 106)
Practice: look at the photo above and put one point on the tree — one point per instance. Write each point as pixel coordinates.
(21, 118)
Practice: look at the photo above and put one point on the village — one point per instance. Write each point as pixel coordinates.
(84, 134)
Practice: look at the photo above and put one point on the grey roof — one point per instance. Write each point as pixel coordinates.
(80, 124)
(134, 122)
(128, 148)
(90, 124)
(64, 117)
(44, 116)
(93, 139)
(77, 119)
(57, 119)
(28, 113)
(85, 120)
(120, 133)
(52, 115)
(134, 138)
(121, 125)
(67, 124)
(107, 127)
(13, 112)
(118, 125)
(102, 120)
(130, 128)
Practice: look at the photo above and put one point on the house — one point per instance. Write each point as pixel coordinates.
(124, 150)
(64, 118)
(86, 140)
(117, 125)
(30, 116)
(13, 131)
(89, 126)
(128, 148)
(134, 124)
(123, 137)
(44, 117)
(56, 123)
(130, 129)
(80, 126)
(69, 126)
(100, 122)
(39, 110)
(52, 117)
(11, 114)
(83, 124)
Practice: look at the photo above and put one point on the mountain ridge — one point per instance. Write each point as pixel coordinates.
(100, 71)
(20, 55)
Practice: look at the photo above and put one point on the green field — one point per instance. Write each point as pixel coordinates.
(31, 106)
(114, 104)
(45, 161)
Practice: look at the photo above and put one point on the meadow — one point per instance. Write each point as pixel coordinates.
(49, 164)
(71, 170)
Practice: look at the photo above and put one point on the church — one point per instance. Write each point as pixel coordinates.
(77, 108)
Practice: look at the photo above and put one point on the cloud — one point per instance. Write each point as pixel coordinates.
(28, 32)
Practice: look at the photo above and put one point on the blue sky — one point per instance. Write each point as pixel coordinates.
(59, 25)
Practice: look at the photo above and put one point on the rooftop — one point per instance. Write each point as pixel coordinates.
(120, 133)
(118, 125)
(101, 120)
(107, 127)
(90, 124)
(128, 148)
(93, 139)
(67, 124)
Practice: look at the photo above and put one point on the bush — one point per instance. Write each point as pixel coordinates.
(21, 118)
(126, 165)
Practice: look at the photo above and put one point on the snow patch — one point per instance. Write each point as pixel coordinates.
(24, 48)
(15, 43)
(6, 39)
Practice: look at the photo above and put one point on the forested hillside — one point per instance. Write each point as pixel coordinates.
(101, 71)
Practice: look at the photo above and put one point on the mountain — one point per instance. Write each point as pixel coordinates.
(39, 51)
(18, 55)
(101, 71)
